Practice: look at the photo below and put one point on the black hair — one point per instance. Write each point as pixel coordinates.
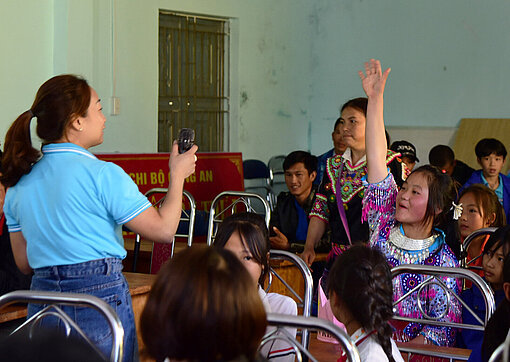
(370, 301)
(499, 239)
(337, 122)
(506, 269)
(487, 146)
(306, 158)
(442, 193)
(357, 103)
(253, 232)
(441, 155)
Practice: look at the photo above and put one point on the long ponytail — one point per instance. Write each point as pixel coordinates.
(19, 155)
(57, 102)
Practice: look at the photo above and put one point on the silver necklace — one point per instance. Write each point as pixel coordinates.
(407, 250)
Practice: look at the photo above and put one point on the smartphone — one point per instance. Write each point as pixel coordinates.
(186, 139)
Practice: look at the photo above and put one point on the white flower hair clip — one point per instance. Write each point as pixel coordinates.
(457, 210)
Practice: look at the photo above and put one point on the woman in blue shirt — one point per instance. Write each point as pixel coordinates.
(65, 208)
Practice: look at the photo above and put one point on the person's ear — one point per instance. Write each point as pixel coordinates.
(491, 218)
(76, 123)
(479, 161)
(313, 175)
(506, 288)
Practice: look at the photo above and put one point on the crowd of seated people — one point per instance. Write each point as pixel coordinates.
(363, 203)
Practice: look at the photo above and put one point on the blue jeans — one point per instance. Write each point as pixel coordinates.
(102, 278)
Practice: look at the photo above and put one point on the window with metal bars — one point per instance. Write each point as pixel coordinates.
(193, 80)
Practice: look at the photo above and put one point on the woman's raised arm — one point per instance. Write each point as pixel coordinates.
(374, 81)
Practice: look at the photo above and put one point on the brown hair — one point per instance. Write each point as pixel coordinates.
(253, 233)
(487, 202)
(56, 103)
(203, 307)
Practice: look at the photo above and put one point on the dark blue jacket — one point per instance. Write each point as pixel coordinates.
(469, 338)
(476, 178)
(322, 161)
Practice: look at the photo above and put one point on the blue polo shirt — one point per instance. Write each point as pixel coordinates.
(71, 206)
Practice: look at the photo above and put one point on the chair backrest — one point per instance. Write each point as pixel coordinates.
(433, 278)
(277, 176)
(228, 202)
(467, 242)
(53, 299)
(257, 180)
(304, 300)
(162, 252)
(276, 171)
(282, 321)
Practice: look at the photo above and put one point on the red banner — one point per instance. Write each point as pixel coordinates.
(214, 173)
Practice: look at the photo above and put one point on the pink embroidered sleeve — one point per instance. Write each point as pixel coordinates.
(379, 209)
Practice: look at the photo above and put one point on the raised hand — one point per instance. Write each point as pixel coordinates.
(374, 80)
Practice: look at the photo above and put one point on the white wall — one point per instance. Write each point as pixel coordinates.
(447, 60)
(294, 63)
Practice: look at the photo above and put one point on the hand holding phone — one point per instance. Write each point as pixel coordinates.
(186, 139)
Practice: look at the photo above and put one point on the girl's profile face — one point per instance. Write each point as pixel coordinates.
(492, 264)
(472, 218)
(235, 244)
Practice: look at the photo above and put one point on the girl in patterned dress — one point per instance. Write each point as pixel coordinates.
(402, 224)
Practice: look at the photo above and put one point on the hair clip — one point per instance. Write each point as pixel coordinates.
(457, 210)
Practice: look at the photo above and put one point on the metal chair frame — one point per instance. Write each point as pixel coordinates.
(269, 193)
(305, 301)
(71, 299)
(282, 321)
(275, 165)
(467, 242)
(243, 198)
(434, 273)
(188, 216)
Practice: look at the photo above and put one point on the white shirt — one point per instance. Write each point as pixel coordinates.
(371, 350)
(347, 156)
(278, 350)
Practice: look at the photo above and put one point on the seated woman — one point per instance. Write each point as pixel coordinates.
(366, 309)
(246, 235)
(480, 209)
(197, 310)
(402, 223)
(496, 249)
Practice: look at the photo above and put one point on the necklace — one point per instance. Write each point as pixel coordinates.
(407, 250)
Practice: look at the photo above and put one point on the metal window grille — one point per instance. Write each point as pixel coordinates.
(193, 80)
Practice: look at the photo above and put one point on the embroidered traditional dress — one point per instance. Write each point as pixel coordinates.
(351, 192)
(379, 206)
